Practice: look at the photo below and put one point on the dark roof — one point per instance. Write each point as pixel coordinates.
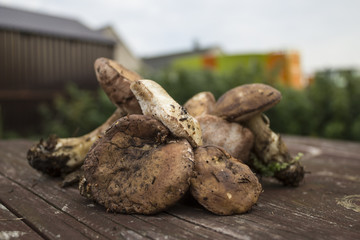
(162, 61)
(38, 23)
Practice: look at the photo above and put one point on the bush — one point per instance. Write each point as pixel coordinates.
(75, 113)
(183, 84)
(327, 108)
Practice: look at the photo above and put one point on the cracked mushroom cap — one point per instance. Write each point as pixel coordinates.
(136, 168)
(156, 102)
(222, 184)
(201, 103)
(233, 137)
(244, 102)
(115, 80)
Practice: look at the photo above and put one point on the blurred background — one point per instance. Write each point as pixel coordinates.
(309, 50)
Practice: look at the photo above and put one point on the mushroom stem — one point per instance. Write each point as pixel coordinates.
(58, 156)
(272, 155)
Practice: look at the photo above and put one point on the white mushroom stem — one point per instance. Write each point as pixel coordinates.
(57, 156)
(155, 101)
(74, 148)
(272, 154)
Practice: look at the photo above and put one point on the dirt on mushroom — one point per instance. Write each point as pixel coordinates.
(137, 167)
(222, 184)
(60, 156)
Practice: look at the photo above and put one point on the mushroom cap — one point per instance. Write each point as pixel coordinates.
(244, 102)
(136, 168)
(201, 103)
(155, 101)
(115, 80)
(233, 137)
(222, 184)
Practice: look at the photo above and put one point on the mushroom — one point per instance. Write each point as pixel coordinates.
(59, 156)
(137, 167)
(201, 103)
(234, 138)
(115, 80)
(222, 184)
(155, 101)
(245, 104)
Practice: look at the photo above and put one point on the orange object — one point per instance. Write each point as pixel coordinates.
(209, 61)
(287, 65)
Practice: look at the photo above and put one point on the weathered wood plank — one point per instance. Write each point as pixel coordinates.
(313, 210)
(336, 147)
(13, 227)
(94, 216)
(48, 220)
(65, 201)
(245, 226)
(181, 229)
(309, 211)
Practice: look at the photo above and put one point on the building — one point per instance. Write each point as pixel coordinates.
(288, 65)
(122, 53)
(40, 54)
(166, 60)
(284, 65)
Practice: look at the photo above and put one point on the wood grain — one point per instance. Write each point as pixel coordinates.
(315, 210)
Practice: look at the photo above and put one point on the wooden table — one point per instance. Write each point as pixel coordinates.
(325, 206)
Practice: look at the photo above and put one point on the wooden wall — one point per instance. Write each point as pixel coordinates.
(34, 62)
(33, 68)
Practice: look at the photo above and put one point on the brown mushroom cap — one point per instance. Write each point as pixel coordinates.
(234, 138)
(222, 184)
(243, 102)
(115, 80)
(201, 103)
(134, 168)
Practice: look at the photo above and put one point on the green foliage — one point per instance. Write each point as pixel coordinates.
(76, 113)
(269, 170)
(183, 84)
(327, 108)
(293, 114)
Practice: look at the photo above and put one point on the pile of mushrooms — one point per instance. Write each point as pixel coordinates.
(152, 151)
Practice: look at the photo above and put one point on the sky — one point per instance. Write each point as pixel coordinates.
(325, 32)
